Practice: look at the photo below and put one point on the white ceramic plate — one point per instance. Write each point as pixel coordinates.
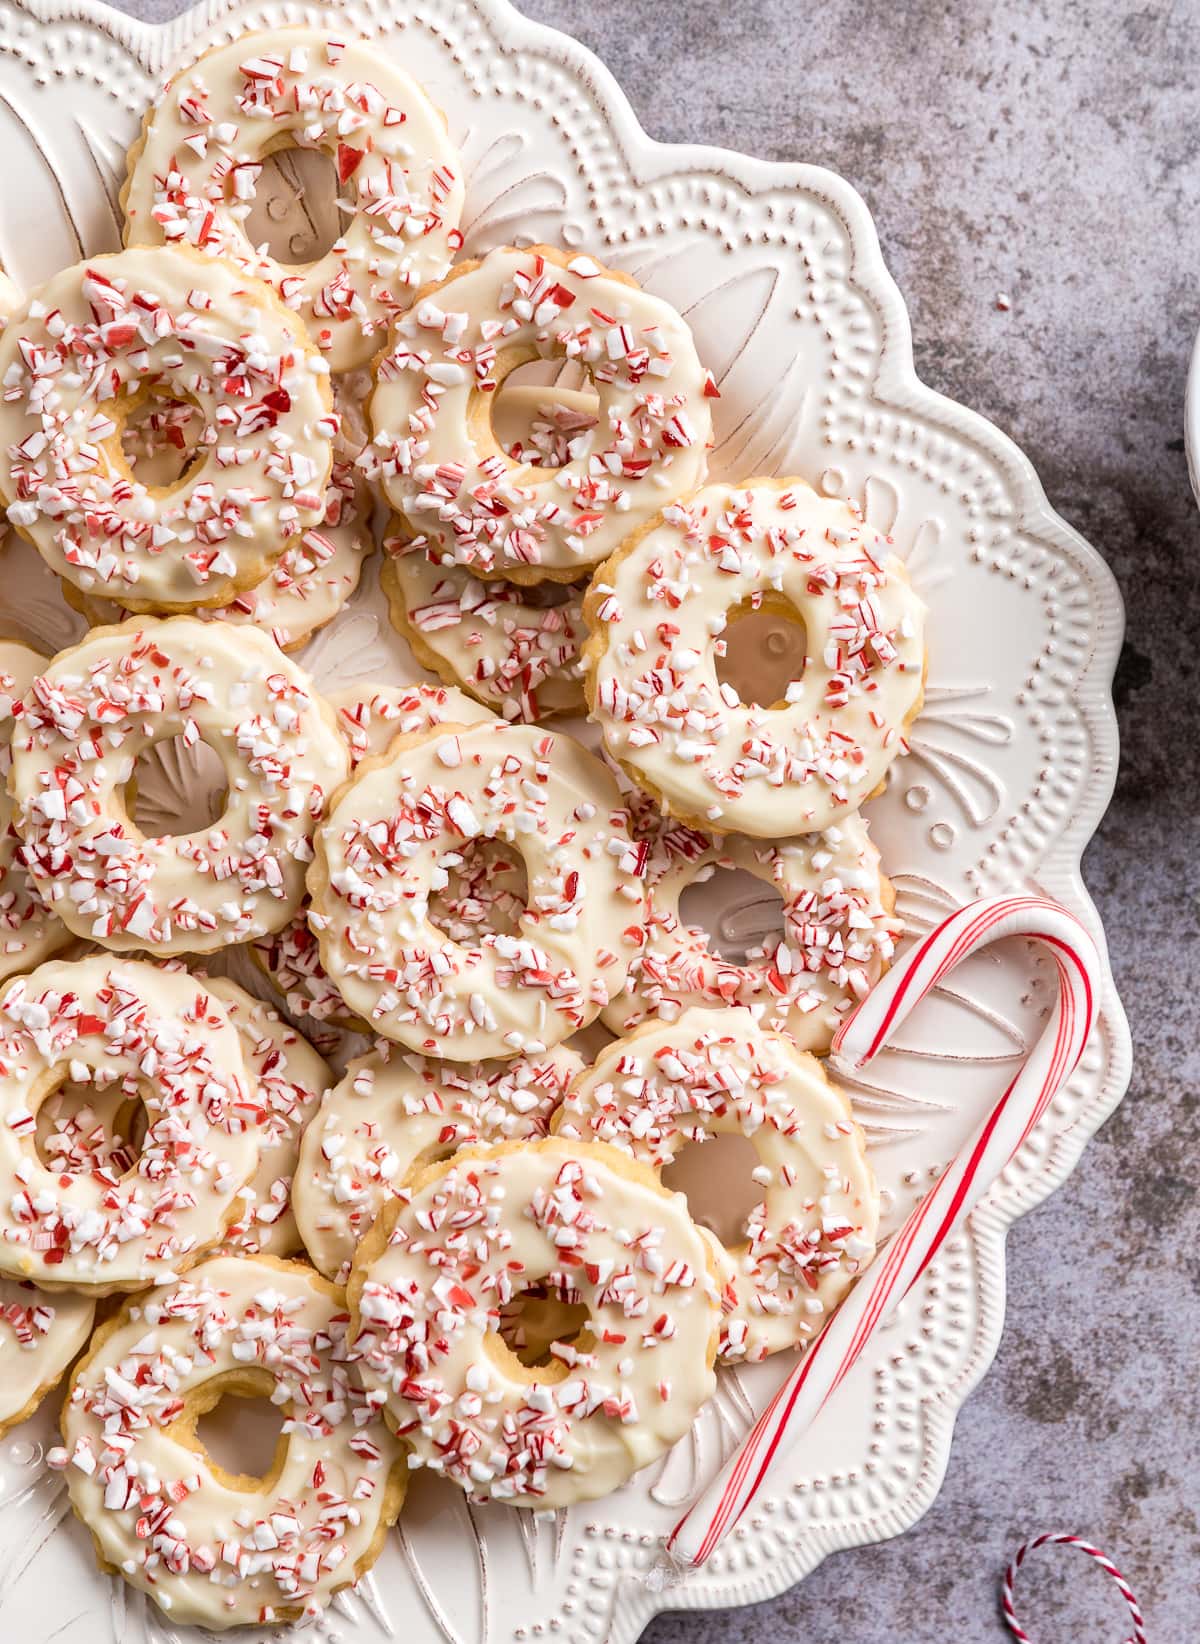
(778, 270)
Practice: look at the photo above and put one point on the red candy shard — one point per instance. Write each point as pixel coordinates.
(348, 161)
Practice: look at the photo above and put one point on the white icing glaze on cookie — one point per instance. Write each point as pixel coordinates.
(371, 716)
(427, 1285)
(394, 1112)
(39, 1336)
(193, 178)
(439, 462)
(291, 1079)
(405, 821)
(157, 1035)
(101, 704)
(836, 935)
(657, 611)
(307, 585)
(368, 716)
(715, 1070)
(93, 337)
(29, 932)
(514, 647)
(212, 1549)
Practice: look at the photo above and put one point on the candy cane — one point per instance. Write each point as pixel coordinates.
(900, 1263)
(1102, 1559)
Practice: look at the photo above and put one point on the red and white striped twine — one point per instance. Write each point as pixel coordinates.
(899, 1264)
(1106, 1564)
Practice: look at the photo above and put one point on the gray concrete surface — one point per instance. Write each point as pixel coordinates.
(1051, 151)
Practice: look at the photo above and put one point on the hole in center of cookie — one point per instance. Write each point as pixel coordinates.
(84, 1126)
(534, 1321)
(542, 414)
(160, 436)
(714, 1175)
(290, 204)
(742, 919)
(240, 1433)
(179, 788)
(478, 888)
(765, 652)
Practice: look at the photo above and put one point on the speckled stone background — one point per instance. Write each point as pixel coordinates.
(1050, 151)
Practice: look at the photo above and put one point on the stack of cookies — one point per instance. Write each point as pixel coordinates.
(444, 1234)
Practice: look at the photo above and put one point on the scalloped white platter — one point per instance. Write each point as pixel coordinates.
(1012, 762)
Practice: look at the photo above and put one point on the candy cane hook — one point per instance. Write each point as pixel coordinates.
(899, 1264)
(1102, 1559)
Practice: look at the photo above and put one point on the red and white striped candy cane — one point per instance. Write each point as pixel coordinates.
(1102, 1559)
(900, 1263)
